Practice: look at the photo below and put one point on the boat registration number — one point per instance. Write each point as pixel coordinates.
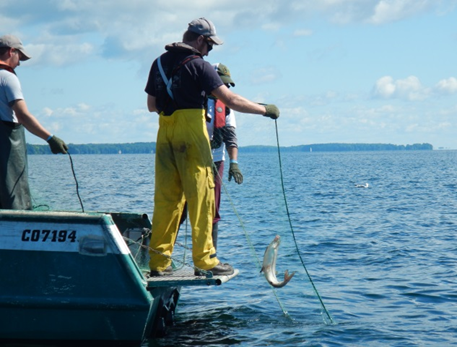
(29, 235)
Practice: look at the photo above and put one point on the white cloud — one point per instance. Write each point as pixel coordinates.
(445, 125)
(447, 86)
(59, 53)
(265, 75)
(55, 127)
(85, 123)
(69, 30)
(369, 11)
(6, 23)
(384, 87)
(302, 32)
(411, 128)
(393, 10)
(84, 107)
(47, 112)
(271, 26)
(409, 88)
(77, 111)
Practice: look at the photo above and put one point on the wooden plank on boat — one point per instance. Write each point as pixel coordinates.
(186, 277)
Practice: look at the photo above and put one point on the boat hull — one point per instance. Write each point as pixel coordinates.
(69, 276)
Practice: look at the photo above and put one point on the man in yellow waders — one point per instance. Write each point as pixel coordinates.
(179, 83)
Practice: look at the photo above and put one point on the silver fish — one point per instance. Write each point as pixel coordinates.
(269, 265)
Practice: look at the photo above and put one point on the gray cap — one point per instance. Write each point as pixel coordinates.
(13, 42)
(206, 28)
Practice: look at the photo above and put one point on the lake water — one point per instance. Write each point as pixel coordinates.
(382, 258)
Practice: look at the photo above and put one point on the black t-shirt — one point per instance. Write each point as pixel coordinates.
(192, 81)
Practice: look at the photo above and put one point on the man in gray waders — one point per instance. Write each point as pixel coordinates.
(14, 117)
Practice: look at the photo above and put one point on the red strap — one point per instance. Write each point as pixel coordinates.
(184, 62)
(7, 68)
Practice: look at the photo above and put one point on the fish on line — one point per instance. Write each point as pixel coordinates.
(269, 265)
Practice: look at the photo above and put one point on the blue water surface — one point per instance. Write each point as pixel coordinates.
(382, 258)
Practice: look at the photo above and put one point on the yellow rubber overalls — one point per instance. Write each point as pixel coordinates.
(183, 171)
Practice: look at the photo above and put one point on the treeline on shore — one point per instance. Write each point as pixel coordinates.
(150, 147)
(342, 147)
(99, 148)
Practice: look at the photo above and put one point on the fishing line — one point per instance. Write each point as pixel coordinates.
(248, 239)
(76, 181)
(292, 229)
(186, 248)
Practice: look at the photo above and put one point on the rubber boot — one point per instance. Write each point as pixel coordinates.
(214, 234)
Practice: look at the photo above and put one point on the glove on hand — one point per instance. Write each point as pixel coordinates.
(271, 111)
(235, 172)
(57, 145)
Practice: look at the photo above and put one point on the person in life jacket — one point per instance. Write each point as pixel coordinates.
(177, 88)
(14, 117)
(222, 133)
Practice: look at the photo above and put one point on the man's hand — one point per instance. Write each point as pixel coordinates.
(57, 145)
(235, 172)
(271, 111)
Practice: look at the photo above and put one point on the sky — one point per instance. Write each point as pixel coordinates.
(340, 71)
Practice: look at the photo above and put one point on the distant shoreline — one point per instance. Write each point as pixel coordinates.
(149, 147)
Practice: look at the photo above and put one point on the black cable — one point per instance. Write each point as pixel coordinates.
(76, 181)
